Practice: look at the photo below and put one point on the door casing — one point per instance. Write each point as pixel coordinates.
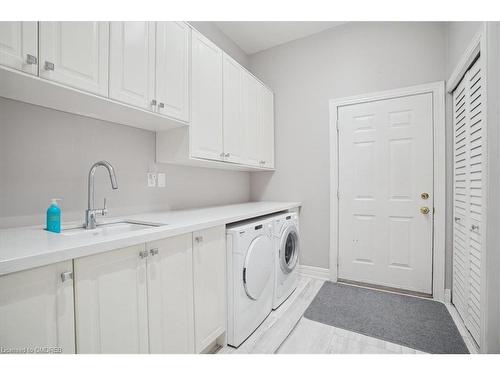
(437, 89)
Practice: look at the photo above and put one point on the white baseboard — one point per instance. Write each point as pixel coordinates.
(315, 272)
(447, 295)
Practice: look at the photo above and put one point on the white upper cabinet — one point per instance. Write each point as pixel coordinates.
(172, 69)
(36, 308)
(75, 54)
(19, 46)
(170, 295)
(206, 116)
(234, 129)
(132, 63)
(209, 269)
(252, 105)
(111, 302)
(267, 128)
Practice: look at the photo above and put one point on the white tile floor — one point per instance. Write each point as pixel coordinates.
(285, 331)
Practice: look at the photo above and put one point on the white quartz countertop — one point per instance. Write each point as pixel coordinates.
(29, 247)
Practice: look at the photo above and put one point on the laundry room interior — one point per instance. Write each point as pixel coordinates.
(249, 186)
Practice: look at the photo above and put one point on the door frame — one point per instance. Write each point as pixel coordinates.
(437, 89)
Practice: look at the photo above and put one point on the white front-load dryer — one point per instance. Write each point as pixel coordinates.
(250, 276)
(287, 245)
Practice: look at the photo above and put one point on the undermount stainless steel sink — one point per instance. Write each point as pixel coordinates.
(109, 229)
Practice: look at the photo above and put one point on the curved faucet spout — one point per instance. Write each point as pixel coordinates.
(91, 211)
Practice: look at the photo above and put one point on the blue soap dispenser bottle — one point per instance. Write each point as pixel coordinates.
(54, 217)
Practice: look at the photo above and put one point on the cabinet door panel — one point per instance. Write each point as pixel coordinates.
(111, 302)
(79, 54)
(170, 291)
(252, 105)
(36, 309)
(234, 127)
(209, 269)
(132, 63)
(17, 41)
(206, 122)
(172, 69)
(267, 130)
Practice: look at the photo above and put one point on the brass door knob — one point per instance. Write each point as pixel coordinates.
(424, 195)
(424, 210)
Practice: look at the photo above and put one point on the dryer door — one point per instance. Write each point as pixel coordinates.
(289, 248)
(258, 268)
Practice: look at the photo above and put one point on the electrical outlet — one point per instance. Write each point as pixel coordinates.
(162, 180)
(151, 179)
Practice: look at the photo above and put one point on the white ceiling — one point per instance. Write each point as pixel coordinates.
(255, 36)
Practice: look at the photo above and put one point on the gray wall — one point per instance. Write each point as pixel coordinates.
(305, 74)
(212, 32)
(47, 154)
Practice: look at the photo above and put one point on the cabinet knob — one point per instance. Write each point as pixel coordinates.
(227, 154)
(457, 219)
(153, 252)
(198, 239)
(31, 60)
(221, 155)
(65, 276)
(161, 105)
(48, 65)
(143, 254)
(153, 102)
(474, 227)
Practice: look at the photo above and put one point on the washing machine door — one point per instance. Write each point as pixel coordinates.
(258, 266)
(289, 248)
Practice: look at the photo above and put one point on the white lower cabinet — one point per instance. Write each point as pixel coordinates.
(170, 292)
(209, 269)
(111, 302)
(36, 310)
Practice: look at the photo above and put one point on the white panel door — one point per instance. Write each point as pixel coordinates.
(170, 295)
(252, 112)
(267, 128)
(172, 69)
(132, 63)
(206, 77)
(36, 309)
(19, 45)
(385, 164)
(234, 127)
(209, 270)
(468, 197)
(111, 302)
(76, 54)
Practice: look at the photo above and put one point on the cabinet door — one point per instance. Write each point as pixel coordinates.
(170, 292)
(209, 269)
(172, 69)
(252, 105)
(206, 122)
(267, 128)
(111, 302)
(19, 46)
(76, 54)
(36, 309)
(132, 63)
(234, 129)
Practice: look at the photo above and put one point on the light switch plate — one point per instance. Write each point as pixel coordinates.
(162, 180)
(151, 179)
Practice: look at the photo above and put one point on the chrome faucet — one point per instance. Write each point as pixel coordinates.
(91, 213)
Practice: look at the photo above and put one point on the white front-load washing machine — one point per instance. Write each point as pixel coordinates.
(250, 276)
(287, 241)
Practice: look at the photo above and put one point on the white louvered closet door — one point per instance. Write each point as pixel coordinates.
(468, 177)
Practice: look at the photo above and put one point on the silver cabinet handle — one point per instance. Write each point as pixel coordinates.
(457, 219)
(143, 254)
(153, 102)
(153, 252)
(227, 154)
(65, 276)
(198, 239)
(48, 65)
(474, 227)
(161, 105)
(31, 60)
(221, 155)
